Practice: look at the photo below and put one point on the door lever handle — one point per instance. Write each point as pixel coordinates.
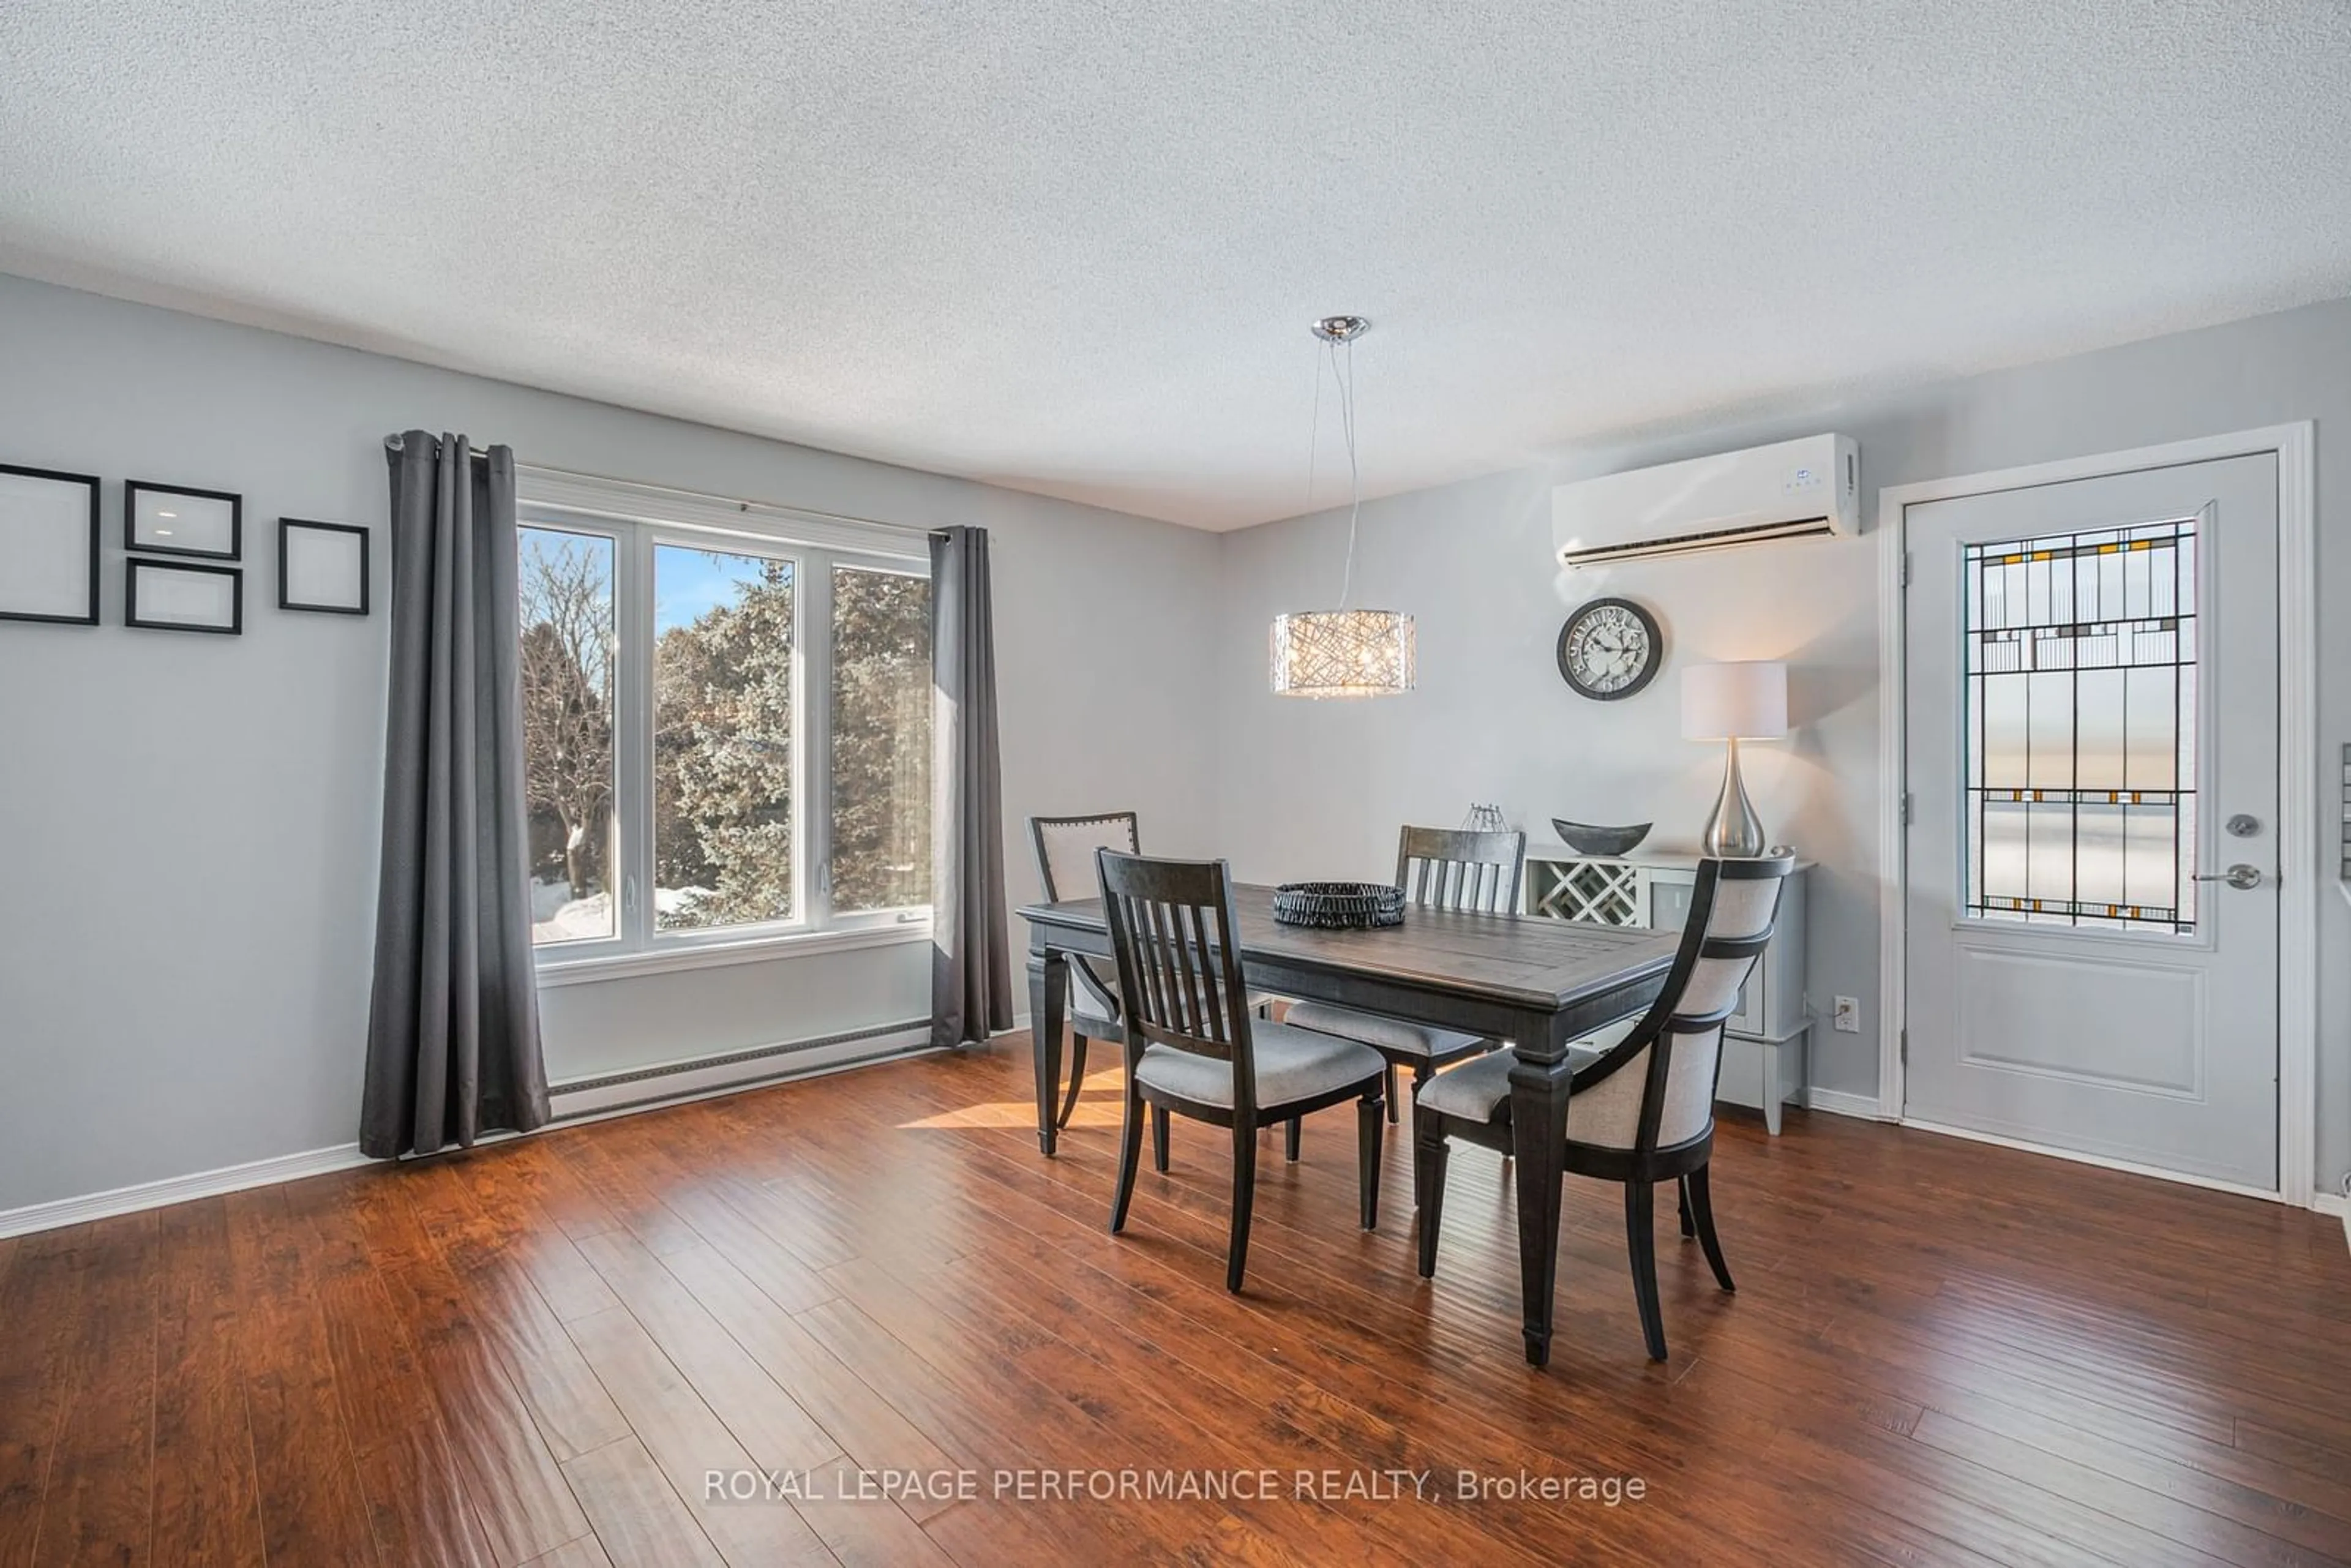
(2240, 876)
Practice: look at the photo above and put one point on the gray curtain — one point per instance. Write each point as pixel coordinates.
(971, 941)
(453, 1031)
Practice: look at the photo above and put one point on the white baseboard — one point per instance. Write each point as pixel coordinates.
(583, 1100)
(1838, 1103)
(2335, 1204)
(163, 1194)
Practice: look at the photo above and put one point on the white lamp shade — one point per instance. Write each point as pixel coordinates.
(1735, 701)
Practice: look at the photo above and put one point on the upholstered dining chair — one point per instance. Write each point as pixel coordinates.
(1193, 1047)
(1438, 868)
(1642, 1112)
(1065, 860)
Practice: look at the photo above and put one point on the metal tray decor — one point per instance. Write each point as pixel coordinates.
(1587, 838)
(1338, 905)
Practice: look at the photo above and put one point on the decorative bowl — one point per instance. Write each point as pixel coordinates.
(1587, 838)
(1338, 905)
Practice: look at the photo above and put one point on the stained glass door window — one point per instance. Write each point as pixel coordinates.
(2080, 666)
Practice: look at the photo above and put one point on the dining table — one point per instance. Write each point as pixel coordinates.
(1534, 981)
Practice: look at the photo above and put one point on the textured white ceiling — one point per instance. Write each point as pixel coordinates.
(1073, 245)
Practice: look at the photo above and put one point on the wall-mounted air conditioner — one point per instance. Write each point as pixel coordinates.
(1807, 488)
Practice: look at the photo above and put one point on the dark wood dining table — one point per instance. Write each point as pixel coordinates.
(1536, 982)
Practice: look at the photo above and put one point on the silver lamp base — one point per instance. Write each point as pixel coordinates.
(1734, 832)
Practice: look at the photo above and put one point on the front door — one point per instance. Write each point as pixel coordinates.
(2092, 753)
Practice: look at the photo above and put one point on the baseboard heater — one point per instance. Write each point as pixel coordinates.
(695, 1077)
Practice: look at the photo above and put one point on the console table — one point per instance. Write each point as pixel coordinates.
(1764, 1045)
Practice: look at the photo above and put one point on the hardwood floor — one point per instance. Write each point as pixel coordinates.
(537, 1352)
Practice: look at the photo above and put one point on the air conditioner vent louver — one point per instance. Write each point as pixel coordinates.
(1809, 488)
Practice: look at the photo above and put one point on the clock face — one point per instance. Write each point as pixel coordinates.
(1609, 649)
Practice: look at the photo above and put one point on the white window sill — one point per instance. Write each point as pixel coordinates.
(719, 955)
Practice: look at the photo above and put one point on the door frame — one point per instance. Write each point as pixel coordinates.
(2304, 870)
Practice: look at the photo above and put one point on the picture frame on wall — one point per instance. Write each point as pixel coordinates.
(48, 546)
(322, 567)
(171, 596)
(172, 519)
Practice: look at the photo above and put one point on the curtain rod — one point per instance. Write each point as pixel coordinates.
(398, 443)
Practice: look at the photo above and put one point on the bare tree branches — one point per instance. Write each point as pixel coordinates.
(567, 693)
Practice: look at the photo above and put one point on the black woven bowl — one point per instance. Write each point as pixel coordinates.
(1338, 905)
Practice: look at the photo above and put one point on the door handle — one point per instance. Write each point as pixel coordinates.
(2240, 876)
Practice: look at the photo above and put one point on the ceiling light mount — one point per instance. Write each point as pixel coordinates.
(1340, 328)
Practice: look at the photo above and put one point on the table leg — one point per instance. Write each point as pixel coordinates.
(1537, 1131)
(1049, 989)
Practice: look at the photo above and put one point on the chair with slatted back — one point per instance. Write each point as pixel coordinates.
(1641, 1112)
(1065, 852)
(1438, 868)
(1193, 1047)
(1065, 858)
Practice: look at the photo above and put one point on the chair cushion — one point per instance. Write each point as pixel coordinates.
(1394, 1036)
(1292, 1064)
(1478, 1091)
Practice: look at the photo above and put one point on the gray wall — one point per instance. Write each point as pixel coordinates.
(188, 823)
(1317, 790)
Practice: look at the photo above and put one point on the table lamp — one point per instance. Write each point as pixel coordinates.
(1731, 703)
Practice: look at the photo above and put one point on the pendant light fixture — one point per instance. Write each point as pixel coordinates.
(1342, 652)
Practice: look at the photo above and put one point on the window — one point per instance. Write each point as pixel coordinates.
(567, 690)
(880, 739)
(723, 691)
(2081, 740)
(727, 731)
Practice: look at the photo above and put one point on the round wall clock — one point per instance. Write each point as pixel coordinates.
(1609, 649)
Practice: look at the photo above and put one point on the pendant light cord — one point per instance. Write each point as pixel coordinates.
(1314, 440)
(1354, 476)
(1342, 376)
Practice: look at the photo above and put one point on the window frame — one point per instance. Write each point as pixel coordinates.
(640, 520)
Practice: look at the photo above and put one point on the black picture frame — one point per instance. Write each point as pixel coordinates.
(91, 481)
(133, 488)
(286, 600)
(1584, 611)
(132, 566)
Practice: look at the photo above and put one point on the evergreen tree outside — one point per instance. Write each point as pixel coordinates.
(723, 747)
(880, 740)
(725, 735)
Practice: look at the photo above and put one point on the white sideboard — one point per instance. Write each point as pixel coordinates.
(1763, 1055)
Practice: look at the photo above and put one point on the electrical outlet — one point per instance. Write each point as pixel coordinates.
(1848, 1016)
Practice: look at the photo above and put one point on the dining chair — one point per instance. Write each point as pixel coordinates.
(1641, 1112)
(1194, 1049)
(1065, 851)
(1438, 868)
